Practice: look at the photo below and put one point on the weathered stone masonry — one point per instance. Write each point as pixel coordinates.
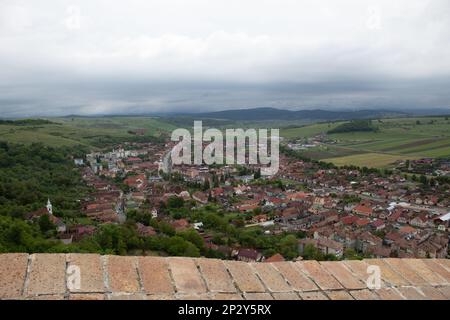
(47, 276)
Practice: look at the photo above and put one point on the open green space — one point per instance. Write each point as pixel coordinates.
(395, 139)
(90, 132)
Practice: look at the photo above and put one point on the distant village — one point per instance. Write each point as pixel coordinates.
(335, 210)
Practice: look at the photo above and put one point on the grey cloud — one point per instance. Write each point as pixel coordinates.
(173, 55)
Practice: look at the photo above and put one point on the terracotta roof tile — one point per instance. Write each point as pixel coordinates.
(344, 276)
(13, 269)
(296, 278)
(319, 275)
(388, 275)
(46, 276)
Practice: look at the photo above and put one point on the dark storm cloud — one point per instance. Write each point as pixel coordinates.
(163, 56)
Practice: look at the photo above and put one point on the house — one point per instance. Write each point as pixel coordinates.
(392, 237)
(367, 241)
(433, 247)
(319, 201)
(348, 220)
(326, 246)
(145, 231)
(138, 182)
(380, 252)
(393, 217)
(297, 196)
(421, 221)
(78, 232)
(289, 214)
(78, 162)
(180, 224)
(154, 213)
(185, 195)
(331, 247)
(363, 209)
(198, 226)
(65, 238)
(248, 205)
(200, 197)
(362, 222)
(133, 160)
(442, 222)
(408, 231)
(137, 196)
(259, 218)
(245, 179)
(378, 225)
(240, 189)
(217, 192)
(47, 211)
(275, 258)
(249, 255)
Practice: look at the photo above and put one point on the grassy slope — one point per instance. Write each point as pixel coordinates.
(397, 138)
(84, 131)
(376, 160)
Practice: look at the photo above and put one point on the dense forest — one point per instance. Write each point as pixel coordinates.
(31, 174)
(26, 122)
(354, 126)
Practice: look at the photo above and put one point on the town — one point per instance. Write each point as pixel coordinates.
(313, 209)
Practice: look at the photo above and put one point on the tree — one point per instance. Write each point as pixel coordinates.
(423, 180)
(288, 247)
(354, 126)
(166, 228)
(192, 236)
(177, 246)
(257, 174)
(312, 253)
(350, 254)
(111, 240)
(175, 202)
(206, 185)
(257, 211)
(45, 224)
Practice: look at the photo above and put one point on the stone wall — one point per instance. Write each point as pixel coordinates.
(91, 276)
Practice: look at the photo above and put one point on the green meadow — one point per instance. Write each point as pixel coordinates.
(396, 139)
(89, 132)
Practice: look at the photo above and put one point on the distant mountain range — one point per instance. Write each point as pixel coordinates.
(274, 114)
(268, 114)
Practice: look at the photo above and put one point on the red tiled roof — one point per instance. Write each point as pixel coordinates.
(362, 222)
(363, 209)
(275, 258)
(348, 220)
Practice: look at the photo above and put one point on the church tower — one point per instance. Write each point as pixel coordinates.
(49, 207)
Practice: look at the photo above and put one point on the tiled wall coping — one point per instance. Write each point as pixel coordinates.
(91, 276)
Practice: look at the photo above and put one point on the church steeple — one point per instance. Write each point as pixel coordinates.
(49, 207)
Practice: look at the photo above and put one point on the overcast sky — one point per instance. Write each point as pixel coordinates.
(136, 56)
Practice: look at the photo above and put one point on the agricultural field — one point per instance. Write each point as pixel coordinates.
(89, 132)
(376, 160)
(396, 139)
(307, 130)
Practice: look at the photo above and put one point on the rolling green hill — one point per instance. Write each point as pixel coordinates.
(396, 139)
(90, 132)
